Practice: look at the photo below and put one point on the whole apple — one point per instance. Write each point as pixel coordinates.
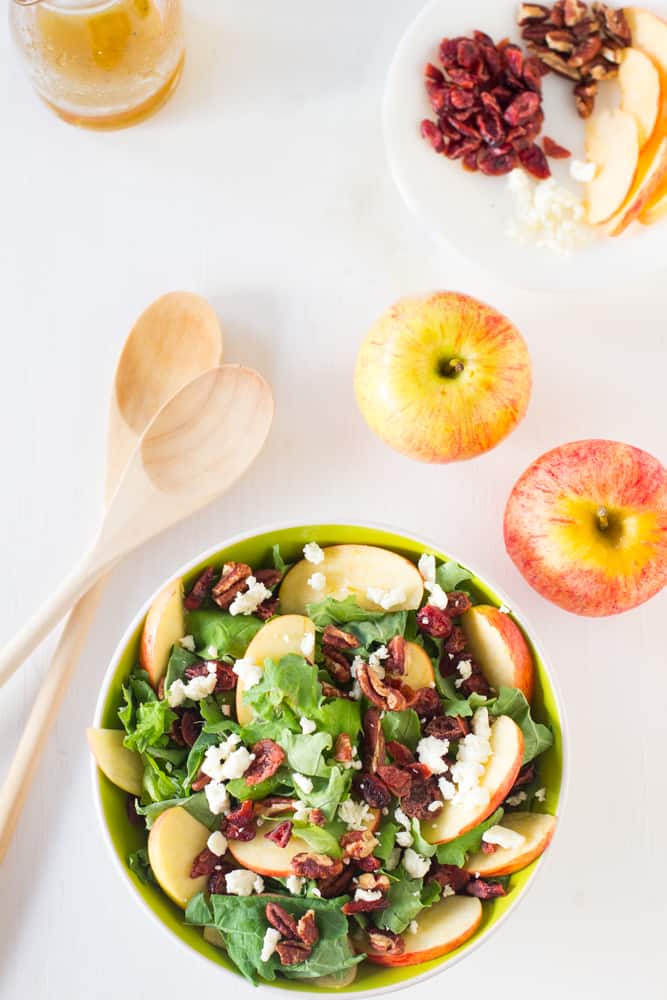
(586, 525)
(443, 378)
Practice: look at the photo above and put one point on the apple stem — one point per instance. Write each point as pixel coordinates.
(602, 515)
(451, 368)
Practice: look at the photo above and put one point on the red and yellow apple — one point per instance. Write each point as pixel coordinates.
(499, 775)
(612, 143)
(639, 83)
(418, 671)
(440, 929)
(123, 767)
(174, 841)
(586, 525)
(537, 829)
(164, 626)
(443, 378)
(498, 646)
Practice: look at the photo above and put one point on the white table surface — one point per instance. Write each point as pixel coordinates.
(263, 186)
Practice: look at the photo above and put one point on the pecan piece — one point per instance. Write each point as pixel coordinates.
(337, 638)
(337, 885)
(529, 12)
(281, 833)
(385, 697)
(231, 582)
(615, 23)
(225, 677)
(267, 609)
(400, 753)
(449, 875)
(343, 748)
(316, 865)
(373, 748)
(307, 929)
(268, 759)
(283, 921)
(269, 577)
(385, 942)
(397, 780)
(275, 805)
(201, 781)
(317, 817)
(329, 691)
(369, 864)
(394, 665)
(484, 890)
(199, 590)
(337, 665)
(560, 40)
(557, 63)
(586, 51)
(358, 843)
(373, 883)
(364, 905)
(292, 952)
(525, 777)
(574, 11)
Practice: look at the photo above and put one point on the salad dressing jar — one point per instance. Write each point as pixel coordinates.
(101, 63)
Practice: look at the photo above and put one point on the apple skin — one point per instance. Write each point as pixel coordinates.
(123, 767)
(537, 828)
(649, 35)
(553, 537)
(164, 626)
(433, 416)
(498, 645)
(442, 927)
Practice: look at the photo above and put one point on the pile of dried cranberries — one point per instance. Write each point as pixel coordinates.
(488, 103)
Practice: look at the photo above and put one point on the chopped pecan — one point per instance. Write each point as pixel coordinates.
(385, 942)
(447, 727)
(358, 843)
(394, 664)
(529, 12)
(574, 11)
(489, 848)
(225, 677)
(484, 890)
(281, 833)
(557, 63)
(231, 582)
(585, 51)
(269, 577)
(337, 665)
(400, 753)
(337, 638)
(373, 791)
(434, 621)
(275, 805)
(204, 863)
(397, 780)
(369, 864)
(160, 689)
(337, 885)
(451, 875)
(201, 781)
(307, 929)
(199, 590)
(584, 96)
(385, 697)
(560, 40)
(317, 817)
(329, 691)
(373, 747)
(240, 823)
(292, 952)
(615, 23)
(373, 883)
(364, 905)
(268, 759)
(316, 865)
(343, 748)
(283, 921)
(267, 609)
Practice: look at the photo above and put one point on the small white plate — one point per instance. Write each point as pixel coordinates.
(470, 211)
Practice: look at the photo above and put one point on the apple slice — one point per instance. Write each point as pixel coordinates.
(278, 638)
(337, 980)
(651, 174)
(499, 776)
(418, 667)
(656, 210)
(164, 626)
(352, 570)
(537, 828)
(441, 928)
(649, 35)
(498, 645)
(214, 937)
(267, 858)
(174, 841)
(612, 143)
(123, 767)
(639, 81)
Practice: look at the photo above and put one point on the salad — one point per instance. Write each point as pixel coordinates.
(334, 761)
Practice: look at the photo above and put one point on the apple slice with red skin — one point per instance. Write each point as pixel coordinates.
(174, 841)
(537, 828)
(440, 929)
(164, 626)
(352, 570)
(498, 645)
(612, 143)
(639, 83)
(499, 775)
(649, 36)
(266, 858)
(279, 637)
(123, 767)
(418, 668)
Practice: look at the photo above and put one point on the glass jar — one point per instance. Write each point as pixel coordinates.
(101, 63)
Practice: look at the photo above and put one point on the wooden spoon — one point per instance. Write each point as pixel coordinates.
(176, 338)
(199, 443)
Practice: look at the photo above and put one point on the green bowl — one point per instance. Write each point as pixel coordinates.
(123, 838)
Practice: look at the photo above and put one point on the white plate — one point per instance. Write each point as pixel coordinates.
(470, 211)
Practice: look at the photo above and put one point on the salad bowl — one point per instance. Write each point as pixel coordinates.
(126, 839)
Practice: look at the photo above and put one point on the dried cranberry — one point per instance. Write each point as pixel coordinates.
(485, 890)
(426, 703)
(368, 864)
(400, 753)
(280, 834)
(458, 602)
(190, 727)
(434, 622)
(513, 57)
(430, 132)
(433, 75)
(373, 791)
(396, 779)
(491, 127)
(447, 727)
(240, 823)
(204, 863)
(217, 883)
(535, 162)
(199, 591)
(422, 794)
(135, 818)
(522, 108)
(553, 150)
(450, 875)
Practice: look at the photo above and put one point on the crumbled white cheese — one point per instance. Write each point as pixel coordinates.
(367, 895)
(307, 725)
(217, 843)
(541, 794)
(215, 756)
(302, 782)
(401, 818)
(503, 837)
(426, 567)
(516, 800)
(376, 658)
(308, 644)
(211, 652)
(473, 752)
(393, 860)
(404, 838)
(313, 553)
(212, 667)
(217, 797)
(355, 815)
(415, 865)
(447, 789)
(247, 672)
(437, 596)
(356, 663)
(195, 689)
(271, 939)
(237, 764)
(447, 890)
(386, 599)
(431, 751)
(317, 581)
(504, 610)
(176, 694)
(465, 670)
(243, 883)
(294, 884)
(355, 692)
(547, 215)
(187, 642)
(413, 927)
(316, 892)
(226, 710)
(247, 601)
(435, 806)
(583, 170)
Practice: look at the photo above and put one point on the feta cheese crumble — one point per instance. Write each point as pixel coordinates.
(294, 884)
(375, 660)
(247, 601)
(243, 883)
(217, 843)
(302, 782)
(473, 753)
(317, 581)
(404, 836)
(215, 756)
(302, 812)
(313, 553)
(465, 670)
(413, 927)
(393, 860)
(447, 890)
(237, 764)
(187, 642)
(271, 939)
(437, 596)
(247, 672)
(386, 599)
(583, 170)
(426, 567)
(195, 689)
(503, 837)
(516, 800)
(547, 215)
(308, 644)
(431, 751)
(307, 725)
(217, 797)
(447, 789)
(355, 815)
(541, 794)
(367, 895)
(415, 865)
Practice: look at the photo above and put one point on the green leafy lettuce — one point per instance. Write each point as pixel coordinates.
(450, 575)
(407, 897)
(536, 737)
(228, 634)
(402, 726)
(196, 805)
(138, 863)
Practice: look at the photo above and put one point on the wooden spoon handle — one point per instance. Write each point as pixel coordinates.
(52, 611)
(43, 715)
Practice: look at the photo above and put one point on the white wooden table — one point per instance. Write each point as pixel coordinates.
(263, 186)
